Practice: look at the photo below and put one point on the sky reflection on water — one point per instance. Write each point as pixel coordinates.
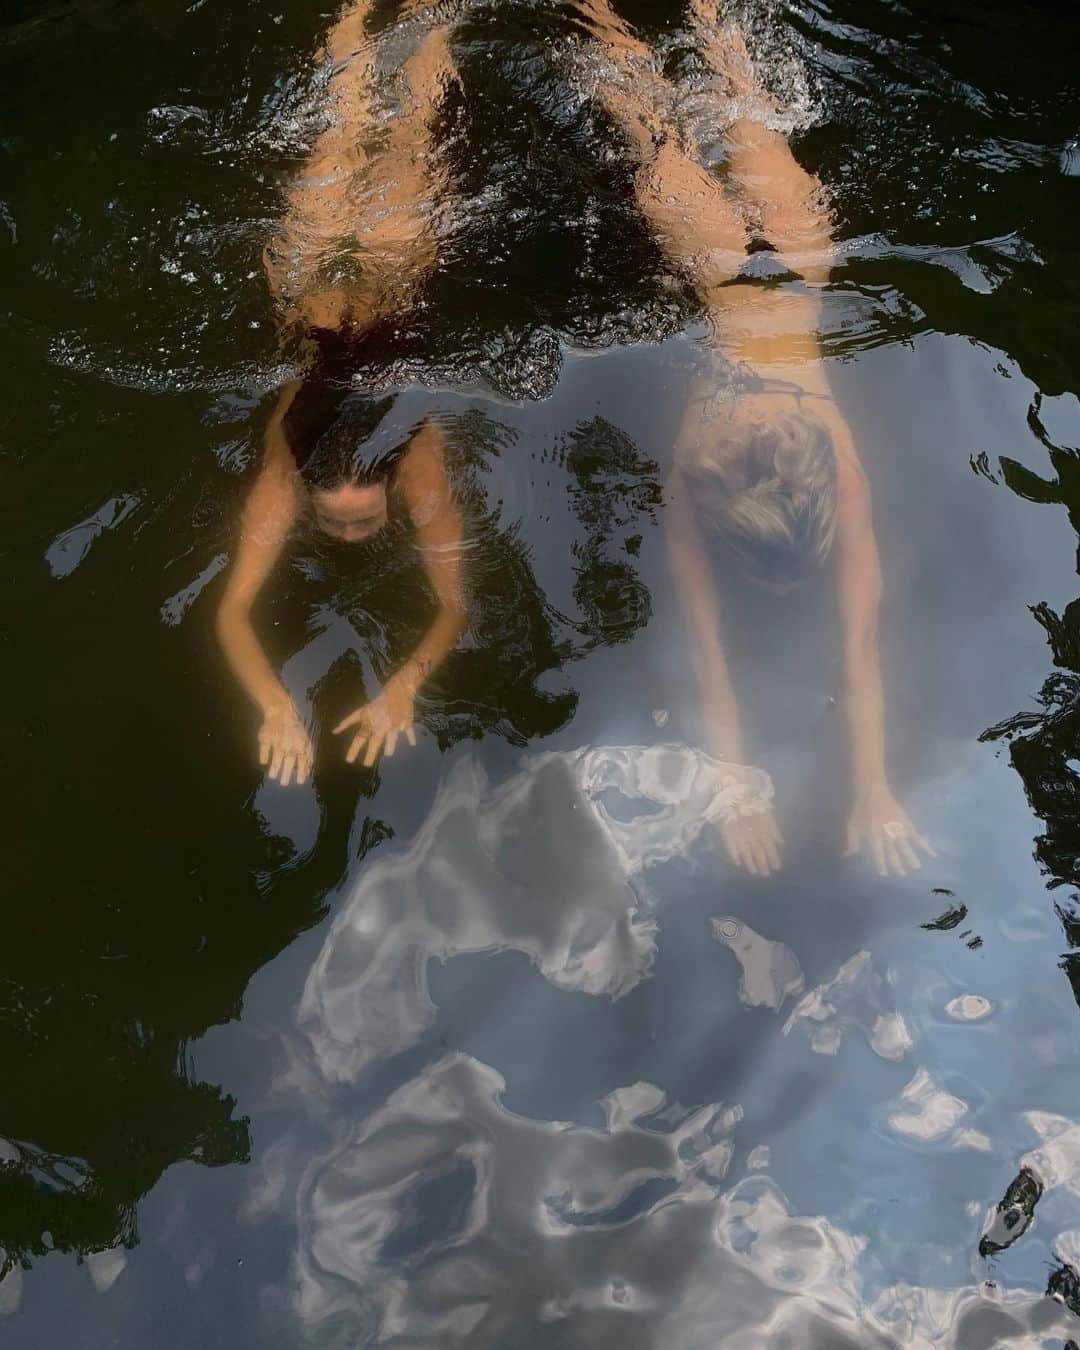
(491, 1048)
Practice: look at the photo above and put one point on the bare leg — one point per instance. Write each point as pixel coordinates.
(782, 201)
(358, 234)
(690, 215)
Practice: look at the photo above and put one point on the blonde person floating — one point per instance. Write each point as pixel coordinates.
(775, 469)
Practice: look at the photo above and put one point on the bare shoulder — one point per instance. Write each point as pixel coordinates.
(421, 476)
(423, 466)
(277, 455)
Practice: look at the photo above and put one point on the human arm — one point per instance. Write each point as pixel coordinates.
(691, 572)
(752, 840)
(877, 819)
(268, 516)
(430, 499)
(423, 482)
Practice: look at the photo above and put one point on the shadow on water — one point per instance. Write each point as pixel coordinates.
(507, 1054)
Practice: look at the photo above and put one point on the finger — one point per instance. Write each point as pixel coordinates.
(925, 845)
(410, 734)
(372, 753)
(732, 847)
(264, 747)
(765, 837)
(774, 855)
(288, 764)
(892, 859)
(762, 857)
(275, 763)
(746, 848)
(303, 769)
(354, 749)
(391, 742)
(351, 720)
(764, 828)
(908, 856)
(878, 849)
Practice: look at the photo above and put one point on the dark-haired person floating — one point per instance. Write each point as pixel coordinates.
(356, 243)
(764, 458)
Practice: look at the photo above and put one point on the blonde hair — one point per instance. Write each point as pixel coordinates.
(769, 487)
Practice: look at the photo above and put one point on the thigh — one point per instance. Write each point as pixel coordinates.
(359, 231)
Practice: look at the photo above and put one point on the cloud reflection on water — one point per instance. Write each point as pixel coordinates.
(770, 971)
(443, 1218)
(558, 1234)
(856, 996)
(541, 864)
(447, 1220)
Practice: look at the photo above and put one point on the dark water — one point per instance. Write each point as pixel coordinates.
(450, 1054)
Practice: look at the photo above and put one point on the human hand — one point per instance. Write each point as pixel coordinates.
(285, 745)
(382, 721)
(753, 842)
(878, 820)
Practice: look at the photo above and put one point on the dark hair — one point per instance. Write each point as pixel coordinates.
(343, 453)
(330, 421)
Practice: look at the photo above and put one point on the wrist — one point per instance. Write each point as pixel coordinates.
(871, 784)
(725, 743)
(277, 704)
(723, 732)
(415, 671)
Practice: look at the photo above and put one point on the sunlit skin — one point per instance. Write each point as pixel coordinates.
(377, 179)
(369, 178)
(352, 513)
(705, 227)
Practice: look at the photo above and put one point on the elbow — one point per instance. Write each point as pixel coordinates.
(454, 611)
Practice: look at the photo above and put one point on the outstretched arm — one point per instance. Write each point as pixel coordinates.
(423, 481)
(269, 514)
(877, 819)
(692, 571)
(431, 504)
(752, 840)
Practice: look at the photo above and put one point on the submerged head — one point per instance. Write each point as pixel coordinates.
(769, 488)
(350, 512)
(347, 478)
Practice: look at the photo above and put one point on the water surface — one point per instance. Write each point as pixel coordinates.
(492, 1047)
